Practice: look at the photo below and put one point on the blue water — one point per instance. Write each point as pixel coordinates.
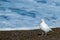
(27, 13)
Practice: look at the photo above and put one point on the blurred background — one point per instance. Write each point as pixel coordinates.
(27, 13)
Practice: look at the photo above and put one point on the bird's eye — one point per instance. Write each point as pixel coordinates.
(40, 21)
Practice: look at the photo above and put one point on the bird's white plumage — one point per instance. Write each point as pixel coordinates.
(44, 27)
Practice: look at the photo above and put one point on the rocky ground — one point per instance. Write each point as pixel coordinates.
(30, 35)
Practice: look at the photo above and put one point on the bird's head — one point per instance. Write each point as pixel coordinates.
(42, 20)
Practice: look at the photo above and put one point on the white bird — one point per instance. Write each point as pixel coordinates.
(44, 27)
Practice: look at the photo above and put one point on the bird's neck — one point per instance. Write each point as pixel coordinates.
(43, 22)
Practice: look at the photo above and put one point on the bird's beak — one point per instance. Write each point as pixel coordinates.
(40, 21)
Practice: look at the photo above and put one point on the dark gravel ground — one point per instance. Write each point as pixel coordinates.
(30, 35)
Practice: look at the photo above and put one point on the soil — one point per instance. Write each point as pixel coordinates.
(30, 35)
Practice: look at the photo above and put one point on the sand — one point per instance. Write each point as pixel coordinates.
(30, 35)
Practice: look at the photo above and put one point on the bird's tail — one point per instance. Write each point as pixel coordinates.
(51, 30)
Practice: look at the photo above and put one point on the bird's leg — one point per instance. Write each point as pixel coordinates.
(42, 34)
(45, 34)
